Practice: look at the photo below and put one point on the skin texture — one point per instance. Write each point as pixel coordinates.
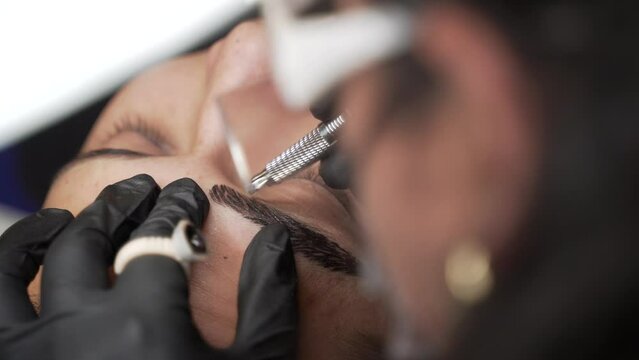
(454, 164)
(188, 101)
(448, 156)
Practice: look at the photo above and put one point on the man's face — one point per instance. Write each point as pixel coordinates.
(444, 147)
(169, 123)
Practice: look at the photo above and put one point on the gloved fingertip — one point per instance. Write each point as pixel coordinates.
(145, 180)
(154, 281)
(39, 228)
(276, 236)
(61, 214)
(271, 249)
(335, 170)
(141, 183)
(189, 185)
(23, 245)
(182, 199)
(267, 300)
(138, 184)
(54, 220)
(324, 109)
(182, 184)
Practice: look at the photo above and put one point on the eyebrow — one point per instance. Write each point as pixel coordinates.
(309, 242)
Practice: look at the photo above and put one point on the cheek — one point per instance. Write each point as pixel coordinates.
(333, 314)
(408, 225)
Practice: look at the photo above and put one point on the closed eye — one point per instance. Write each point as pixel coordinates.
(139, 125)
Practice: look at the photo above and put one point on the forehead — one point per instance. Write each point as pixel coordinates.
(166, 94)
(79, 186)
(187, 76)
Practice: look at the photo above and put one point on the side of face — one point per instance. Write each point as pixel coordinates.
(445, 151)
(169, 123)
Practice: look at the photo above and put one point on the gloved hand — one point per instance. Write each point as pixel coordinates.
(335, 168)
(145, 315)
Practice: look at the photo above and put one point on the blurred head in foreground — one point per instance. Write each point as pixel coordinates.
(509, 129)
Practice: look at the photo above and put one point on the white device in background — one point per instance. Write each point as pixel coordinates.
(58, 56)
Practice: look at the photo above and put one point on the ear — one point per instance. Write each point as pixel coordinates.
(486, 91)
(446, 165)
(436, 167)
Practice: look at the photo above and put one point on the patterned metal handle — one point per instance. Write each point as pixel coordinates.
(305, 152)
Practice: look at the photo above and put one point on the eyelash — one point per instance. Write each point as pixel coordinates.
(139, 125)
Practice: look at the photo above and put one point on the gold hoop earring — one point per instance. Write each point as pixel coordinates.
(468, 273)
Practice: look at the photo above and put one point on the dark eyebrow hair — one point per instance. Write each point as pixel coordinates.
(309, 242)
(96, 154)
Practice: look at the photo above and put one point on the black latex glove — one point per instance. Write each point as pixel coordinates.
(22, 248)
(335, 169)
(145, 315)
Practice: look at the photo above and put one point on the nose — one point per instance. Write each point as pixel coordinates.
(238, 60)
(233, 63)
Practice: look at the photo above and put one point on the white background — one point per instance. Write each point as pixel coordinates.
(57, 56)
